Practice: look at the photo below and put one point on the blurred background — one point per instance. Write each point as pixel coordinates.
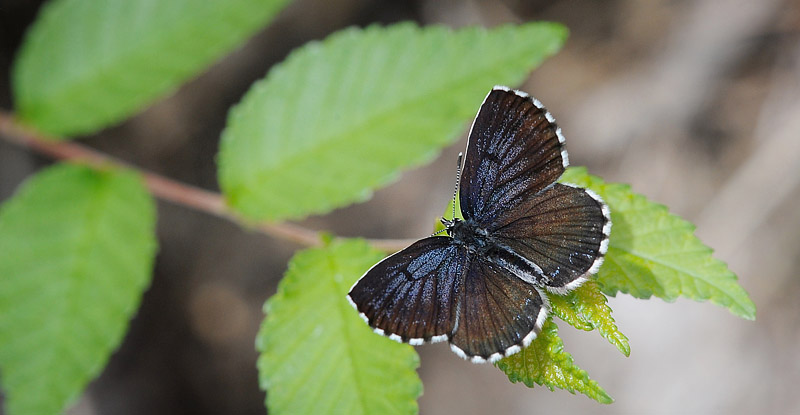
(694, 103)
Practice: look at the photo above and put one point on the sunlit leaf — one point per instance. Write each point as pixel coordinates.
(653, 252)
(586, 308)
(544, 362)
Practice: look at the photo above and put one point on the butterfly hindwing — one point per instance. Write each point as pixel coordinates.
(564, 230)
(410, 296)
(514, 151)
(498, 314)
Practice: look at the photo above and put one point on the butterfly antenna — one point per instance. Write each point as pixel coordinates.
(458, 181)
(447, 223)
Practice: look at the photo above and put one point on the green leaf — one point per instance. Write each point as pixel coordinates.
(87, 64)
(545, 362)
(448, 213)
(652, 252)
(586, 308)
(318, 356)
(342, 117)
(76, 253)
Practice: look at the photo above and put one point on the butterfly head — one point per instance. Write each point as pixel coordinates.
(449, 223)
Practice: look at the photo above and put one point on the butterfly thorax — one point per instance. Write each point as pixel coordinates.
(469, 234)
(478, 241)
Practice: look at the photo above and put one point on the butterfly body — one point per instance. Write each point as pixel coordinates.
(482, 287)
(478, 242)
(470, 235)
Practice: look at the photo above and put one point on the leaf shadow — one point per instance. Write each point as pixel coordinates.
(623, 270)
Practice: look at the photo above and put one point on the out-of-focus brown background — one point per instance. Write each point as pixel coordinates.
(695, 103)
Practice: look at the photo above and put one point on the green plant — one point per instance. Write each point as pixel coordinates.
(335, 121)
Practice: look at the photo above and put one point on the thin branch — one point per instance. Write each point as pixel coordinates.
(164, 188)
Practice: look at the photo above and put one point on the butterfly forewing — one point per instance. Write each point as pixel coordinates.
(410, 296)
(514, 151)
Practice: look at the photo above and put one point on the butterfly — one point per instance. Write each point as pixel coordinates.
(481, 287)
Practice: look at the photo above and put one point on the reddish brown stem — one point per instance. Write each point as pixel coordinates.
(163, 187)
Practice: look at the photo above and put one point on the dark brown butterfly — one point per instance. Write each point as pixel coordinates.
(481, 286)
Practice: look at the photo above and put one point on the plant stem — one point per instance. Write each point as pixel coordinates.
(165, 188)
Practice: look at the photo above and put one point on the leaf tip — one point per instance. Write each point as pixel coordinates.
(562, 31)
(605, 398)
(625, 350)
(748, 311)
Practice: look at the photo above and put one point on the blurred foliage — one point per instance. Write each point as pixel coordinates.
(76, 254)
(88, 64)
